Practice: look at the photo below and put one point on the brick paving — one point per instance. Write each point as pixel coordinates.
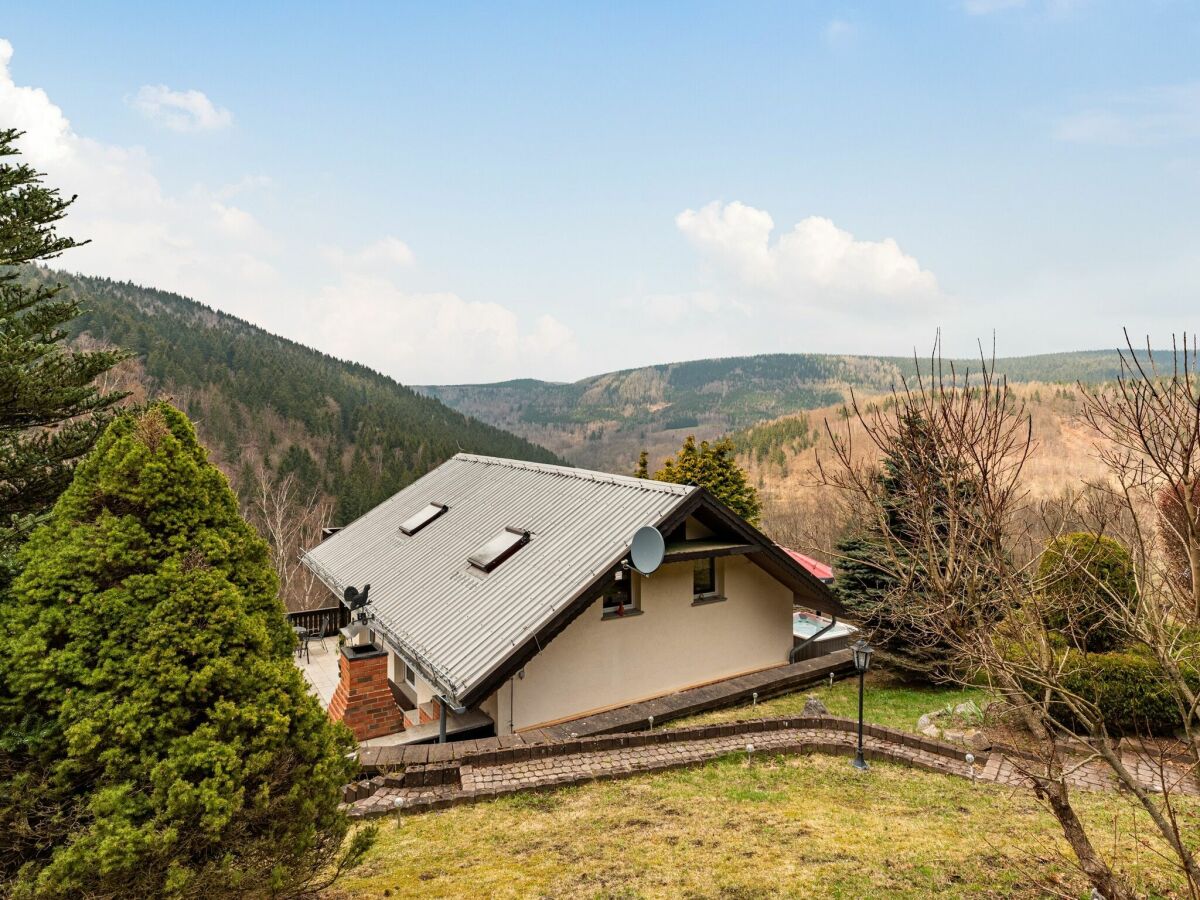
(1094, 774)
(481, 776)
(434, 777)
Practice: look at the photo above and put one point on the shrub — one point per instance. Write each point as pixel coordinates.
(1085, 575)
(1128, 687)
(158, 739)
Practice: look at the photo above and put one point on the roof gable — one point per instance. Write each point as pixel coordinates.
(455, 621)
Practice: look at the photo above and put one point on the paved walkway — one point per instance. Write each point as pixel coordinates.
(1095, 775)
(484, 782)
(454, 774)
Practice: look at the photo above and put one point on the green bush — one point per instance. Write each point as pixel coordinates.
(1084, 576)
(1128, 687)
(158, 740)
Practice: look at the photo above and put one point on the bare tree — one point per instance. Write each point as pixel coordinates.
(1148, 425)
(961, 555)
(291, 521)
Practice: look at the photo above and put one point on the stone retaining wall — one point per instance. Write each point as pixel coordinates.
(442, 765)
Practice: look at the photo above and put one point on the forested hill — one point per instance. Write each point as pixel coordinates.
(604, 420)
(258, 399)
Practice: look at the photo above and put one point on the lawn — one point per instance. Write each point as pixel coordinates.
(806, 826)
(887, 701)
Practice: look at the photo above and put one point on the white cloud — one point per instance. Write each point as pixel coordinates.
(180, 110)
(203, 244)
(196, 242)
(245, 185)
(683, 307)
(813, 262)
(434, 337)
(1157, 115)
(386, 252)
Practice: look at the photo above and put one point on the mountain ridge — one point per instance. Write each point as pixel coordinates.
(603, 421)
(262, 400)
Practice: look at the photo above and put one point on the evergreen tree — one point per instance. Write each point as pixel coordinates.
(865, 583)
(159, 740)
(50, 408)
(714, 466)
(643, 466)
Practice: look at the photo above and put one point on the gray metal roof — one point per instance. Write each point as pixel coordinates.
(455, 622)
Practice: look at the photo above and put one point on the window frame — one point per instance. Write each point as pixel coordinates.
(619, 611)
(410, 675)
(426, 515)
(708, 596)
(520, 537)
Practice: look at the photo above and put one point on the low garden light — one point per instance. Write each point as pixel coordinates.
(862, 661)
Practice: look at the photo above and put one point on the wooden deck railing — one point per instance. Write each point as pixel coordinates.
(312, 618)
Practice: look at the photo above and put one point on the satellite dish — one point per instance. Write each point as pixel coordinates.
(647, 549)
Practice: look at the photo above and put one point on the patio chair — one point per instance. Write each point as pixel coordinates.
(327, 629)
(303, 635)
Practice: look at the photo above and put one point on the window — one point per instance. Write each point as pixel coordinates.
(410, 676)
(415, 523)
(704, 579)
(498, 549)
(619, 598)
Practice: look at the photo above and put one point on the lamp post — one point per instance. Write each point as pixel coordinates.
(862, 661)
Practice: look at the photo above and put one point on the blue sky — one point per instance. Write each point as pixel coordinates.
(476, 192)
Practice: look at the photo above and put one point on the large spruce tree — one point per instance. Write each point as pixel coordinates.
(714, 466)
(159, 740)
(867, 583)
(50, 408)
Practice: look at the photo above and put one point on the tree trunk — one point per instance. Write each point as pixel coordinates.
(1109, 884)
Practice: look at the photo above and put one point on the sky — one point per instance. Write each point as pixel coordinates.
(476, 192)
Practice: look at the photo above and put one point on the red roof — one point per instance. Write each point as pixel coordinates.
(816, 567)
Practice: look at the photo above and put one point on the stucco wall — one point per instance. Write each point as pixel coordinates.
(601, 663)
(422, 692)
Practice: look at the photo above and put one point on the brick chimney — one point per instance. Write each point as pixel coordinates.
(363, 699)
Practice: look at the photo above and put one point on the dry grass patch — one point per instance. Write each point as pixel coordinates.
(777, 826)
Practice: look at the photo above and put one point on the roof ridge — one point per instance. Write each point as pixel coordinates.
(632, 481)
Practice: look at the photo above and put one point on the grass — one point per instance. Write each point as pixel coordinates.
(887, 701)
(807, 826)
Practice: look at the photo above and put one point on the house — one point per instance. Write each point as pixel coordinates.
(500, 592)
(819, 570)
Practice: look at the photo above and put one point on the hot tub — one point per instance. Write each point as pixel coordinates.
(806, 624)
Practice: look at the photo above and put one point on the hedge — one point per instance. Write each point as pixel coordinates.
(1129, 688)
(1083, 572)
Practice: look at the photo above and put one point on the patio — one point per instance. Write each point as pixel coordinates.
(320, 669)
(319, 665)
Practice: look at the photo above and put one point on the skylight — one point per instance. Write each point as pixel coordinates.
(498, 549)
(415, 523)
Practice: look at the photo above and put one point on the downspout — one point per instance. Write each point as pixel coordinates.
(808, 640)
(444, 713)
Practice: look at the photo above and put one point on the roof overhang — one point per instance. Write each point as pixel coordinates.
(683, 551)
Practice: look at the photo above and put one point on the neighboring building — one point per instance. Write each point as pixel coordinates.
(503, 588)
(819, 570)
